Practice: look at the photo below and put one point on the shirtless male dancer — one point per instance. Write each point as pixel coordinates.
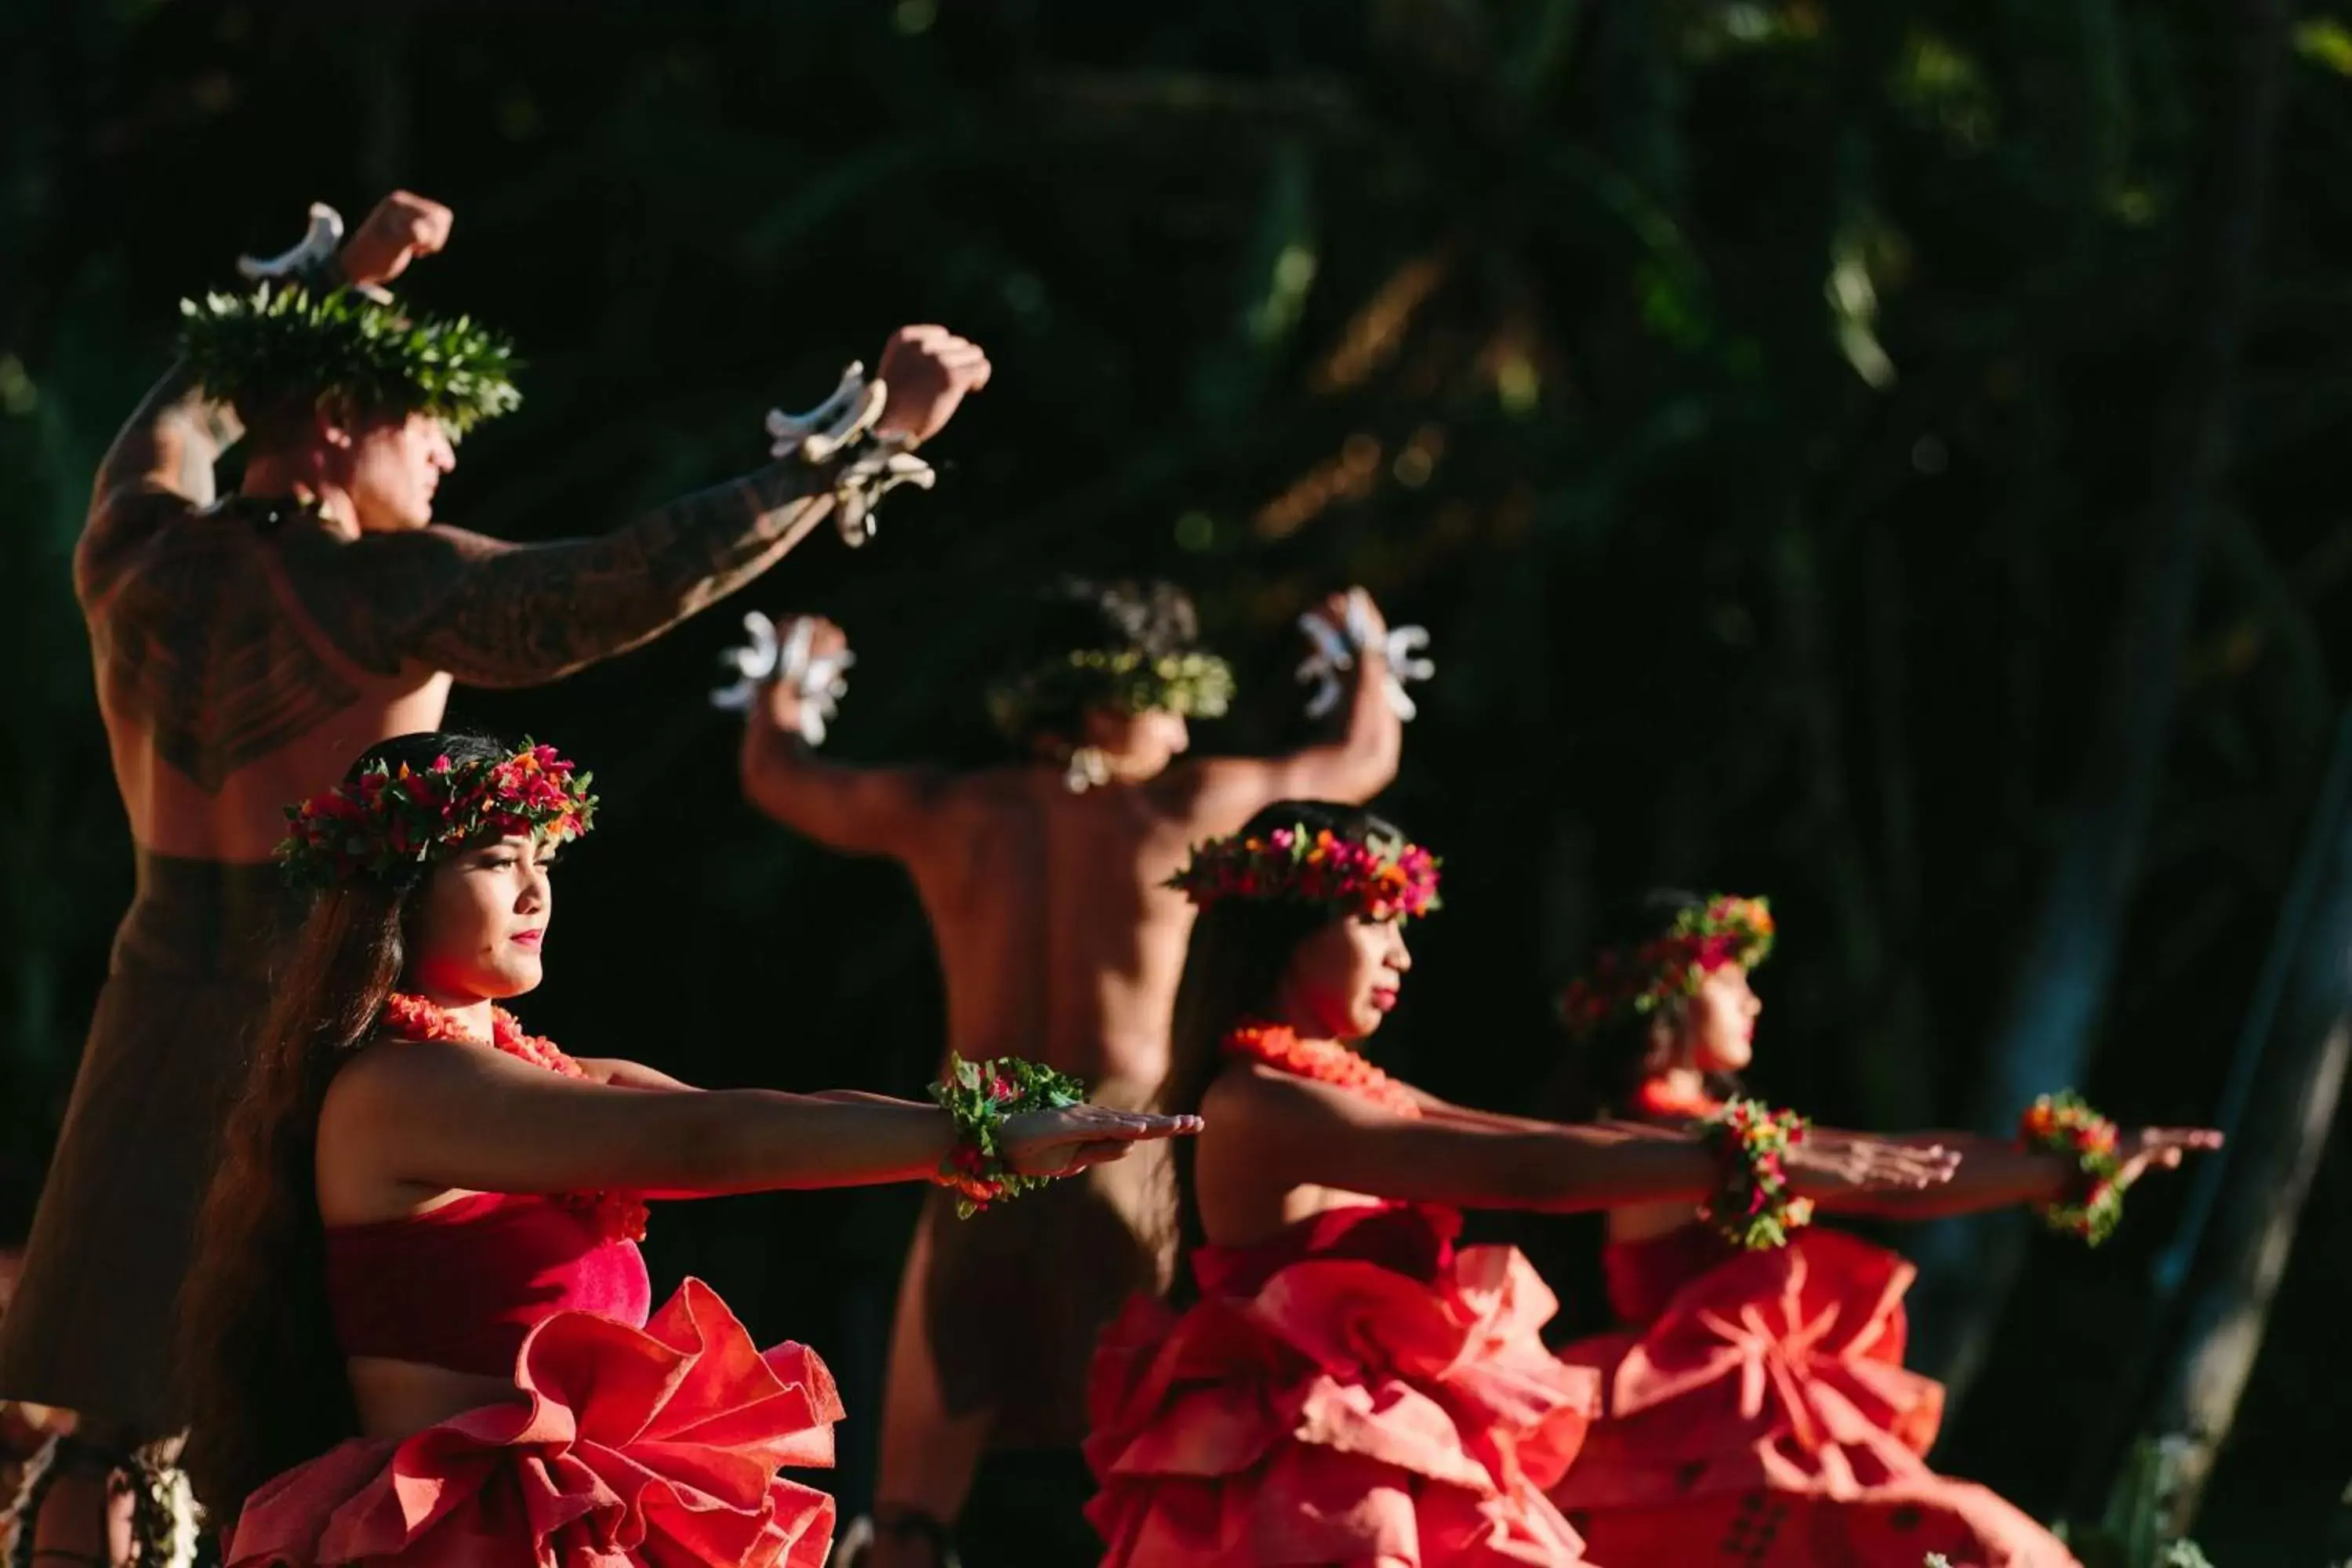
(245, 650)
(1042, 883)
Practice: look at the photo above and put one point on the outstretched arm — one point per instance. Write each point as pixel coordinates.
(1355, 765)
(866, 811)
(452, 1117)
(495, 614)
(1994, 1172)
(1298, 1131)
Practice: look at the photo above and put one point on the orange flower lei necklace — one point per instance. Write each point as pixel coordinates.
(618, 1216)
(1660, 1100)
(1325, 1061)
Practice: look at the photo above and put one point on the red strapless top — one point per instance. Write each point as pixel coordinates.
(460, 1286)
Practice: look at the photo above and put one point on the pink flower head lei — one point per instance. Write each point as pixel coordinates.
(1722, 931)
(390, 819)
(1374, 878)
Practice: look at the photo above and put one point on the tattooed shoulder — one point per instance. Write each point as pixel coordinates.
(191, 643)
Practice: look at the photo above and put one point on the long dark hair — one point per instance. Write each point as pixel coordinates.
(265, 1381)
(1603, 1070)
(1240, 950)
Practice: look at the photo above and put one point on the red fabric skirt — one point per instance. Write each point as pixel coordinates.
(1765, 1418)
(656, 1446)
(1364, 1395)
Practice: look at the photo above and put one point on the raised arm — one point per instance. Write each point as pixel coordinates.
(163, 459)
(501, 614)
(1354, 766)
(449, 1117)
(1298, 1131)
(866, 811)
(159, 465)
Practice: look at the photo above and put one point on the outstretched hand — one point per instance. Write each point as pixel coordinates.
(404, 227)
(1063, 1142)
(928, 372)
(1827, 1164)
(2147, 1149)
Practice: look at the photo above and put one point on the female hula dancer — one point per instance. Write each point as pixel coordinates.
(1756, 1406)
(418, 1325)
(1332, 1381)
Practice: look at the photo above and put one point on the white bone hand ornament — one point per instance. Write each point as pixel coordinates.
(1335, 650)
(317, 245)
(841, 421)
(787, 655)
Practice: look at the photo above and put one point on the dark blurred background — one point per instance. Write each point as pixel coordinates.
(1884, 455)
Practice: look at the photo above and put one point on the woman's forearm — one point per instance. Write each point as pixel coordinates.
(1992, 1173)
(755, 1139)
(1592, 1167)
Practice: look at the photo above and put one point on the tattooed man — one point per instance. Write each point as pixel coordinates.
(245, 650)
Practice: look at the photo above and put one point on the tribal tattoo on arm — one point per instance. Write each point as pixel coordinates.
(497, 614)
(159, 468)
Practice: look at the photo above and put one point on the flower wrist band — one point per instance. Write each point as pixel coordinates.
(2065, 1124)
(1752, 1204)
(982, 1097)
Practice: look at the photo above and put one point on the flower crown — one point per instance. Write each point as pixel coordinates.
(1724, 930)
(1195, 685)
(1377, 878)
(283, 340)
(390, 819)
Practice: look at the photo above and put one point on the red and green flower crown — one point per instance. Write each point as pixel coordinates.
(389, 819)
(1724, 930)
(1377, 878)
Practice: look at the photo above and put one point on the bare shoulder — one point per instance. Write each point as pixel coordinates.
(389, 1079)
(371, 593)
(127, 527)
(1255, 1101)
(1203, 797)
(195, 646)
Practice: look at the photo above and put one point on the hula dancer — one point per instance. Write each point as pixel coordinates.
(418, 1327)
(1825, 1460)
(1043, 881)
(244, 649)
(1330, 1379)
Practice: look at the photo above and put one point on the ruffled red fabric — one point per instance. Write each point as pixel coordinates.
(1765, 1417)
(656, 1446)
(1354, 1391)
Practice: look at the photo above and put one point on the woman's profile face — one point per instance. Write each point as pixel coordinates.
(1719, 1024)
(481, 922)
(1343, 979)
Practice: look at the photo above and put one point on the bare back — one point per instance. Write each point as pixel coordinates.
(1054, 933)
(222, 699)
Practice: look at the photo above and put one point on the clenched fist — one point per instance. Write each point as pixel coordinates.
(929, 371)
(404, 227)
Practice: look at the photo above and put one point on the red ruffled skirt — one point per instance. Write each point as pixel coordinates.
(656, 1446)
(1354, 1392)
(1765, 1418)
